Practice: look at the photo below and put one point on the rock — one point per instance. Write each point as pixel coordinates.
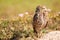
(54, 35)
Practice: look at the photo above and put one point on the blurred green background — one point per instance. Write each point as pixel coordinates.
(12, 24)
(14, 7)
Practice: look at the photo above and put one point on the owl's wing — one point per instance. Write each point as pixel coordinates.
(35, 17)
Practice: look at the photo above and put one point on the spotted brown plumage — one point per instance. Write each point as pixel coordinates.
(40, 18)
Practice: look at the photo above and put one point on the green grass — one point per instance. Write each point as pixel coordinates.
(14, 7)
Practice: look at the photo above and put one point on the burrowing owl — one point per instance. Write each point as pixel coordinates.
(40, 18)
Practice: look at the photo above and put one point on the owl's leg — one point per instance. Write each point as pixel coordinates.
(36, 33)
(39, 34)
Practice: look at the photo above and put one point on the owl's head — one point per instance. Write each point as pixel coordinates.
(38, 8)
(42, 9)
